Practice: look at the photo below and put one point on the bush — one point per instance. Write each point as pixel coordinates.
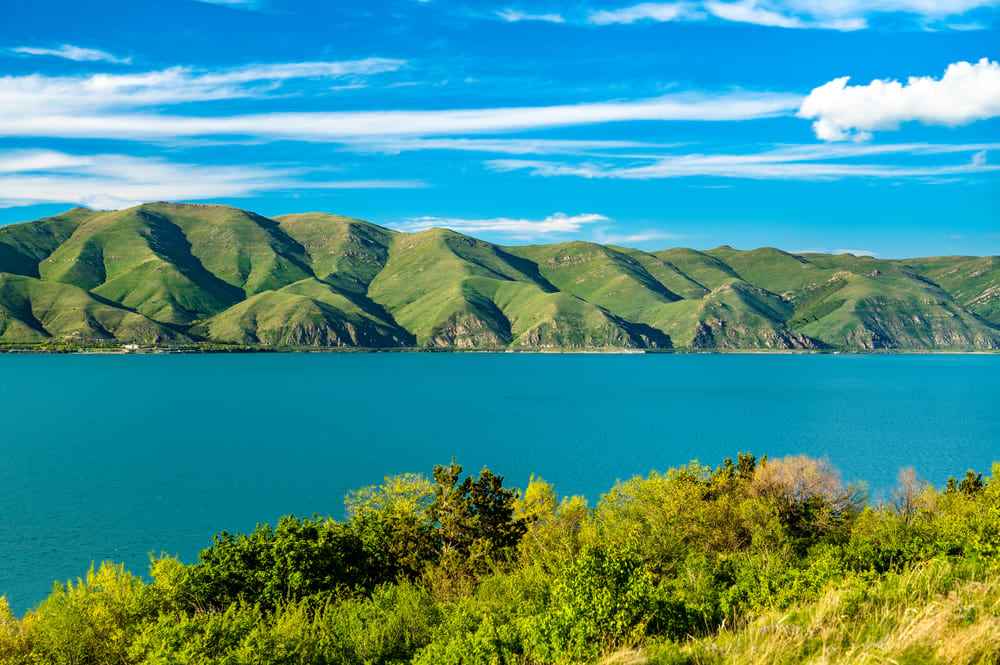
(605, 598)
(93, 621)
(296, 559)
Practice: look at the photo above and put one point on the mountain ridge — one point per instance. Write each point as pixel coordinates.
(179, 272)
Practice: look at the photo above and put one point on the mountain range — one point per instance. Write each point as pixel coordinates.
(180, 273)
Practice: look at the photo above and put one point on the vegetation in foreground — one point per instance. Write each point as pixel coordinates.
(181, 274)
(773, 561)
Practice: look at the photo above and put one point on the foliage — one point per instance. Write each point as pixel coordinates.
(755, 561)
(603, 598)
(296, 559)
(475, 518)
(94, 620)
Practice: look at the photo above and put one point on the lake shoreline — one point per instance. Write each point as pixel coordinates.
(500, 350)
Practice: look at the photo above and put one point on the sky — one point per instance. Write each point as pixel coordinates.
(870, 126)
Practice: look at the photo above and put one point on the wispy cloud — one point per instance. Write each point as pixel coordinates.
(806, 162)
(751, 11)
(119, 181)
(93, 107)
(509, 146)
(660, 12)
(70, 52)
(516, 16)
(966, 93)
(26, 95)
(520, 229)
(236, 4)
(602, 236)
(841, 15)
(856, 252)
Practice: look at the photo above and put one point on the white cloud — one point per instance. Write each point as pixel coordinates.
(119, 181)
(236, 4)
(71, 52)
(518, 228)
(807, 162)
(929, 8)
(26, 95)
(825, 14)
(509, 146)
(515, 16)
(856, 252)
(750, 11)
(966, 93)
(646, 11)
(633, 238)
(94, 112)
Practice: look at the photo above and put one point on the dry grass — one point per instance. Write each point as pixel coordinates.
(936, 613)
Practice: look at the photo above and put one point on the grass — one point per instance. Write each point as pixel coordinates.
(937, 612)
(231, 276)
(35, 311)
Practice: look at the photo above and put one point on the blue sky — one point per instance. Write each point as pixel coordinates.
(656, 124)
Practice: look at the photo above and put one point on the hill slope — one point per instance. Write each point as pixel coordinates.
(170, 271)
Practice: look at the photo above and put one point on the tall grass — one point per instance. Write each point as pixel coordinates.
(935, 612)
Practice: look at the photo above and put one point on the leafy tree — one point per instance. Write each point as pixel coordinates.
(296, 559)
(393, 520)
(475, 517)
(555, 530)
(972, 484)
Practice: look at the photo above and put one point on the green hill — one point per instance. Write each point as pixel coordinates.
(35, 311)
(209, 273)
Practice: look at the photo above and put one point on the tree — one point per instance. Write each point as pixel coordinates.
(393, 520)
(808, 493)
(295, 559)
(910, 494)
(475, 518)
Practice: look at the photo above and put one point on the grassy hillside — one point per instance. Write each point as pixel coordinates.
(222, 275)
(35, 311)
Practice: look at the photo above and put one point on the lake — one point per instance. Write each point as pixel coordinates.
(113, 457)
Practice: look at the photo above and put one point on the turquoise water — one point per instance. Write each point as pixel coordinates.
(113, 457)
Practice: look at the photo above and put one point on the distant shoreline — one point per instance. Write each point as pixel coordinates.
(214, 349)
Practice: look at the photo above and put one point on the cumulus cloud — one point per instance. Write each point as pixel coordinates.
(818, 162)
(71, 52)
(517, 228)
(119, 181)
(966, 93)
(515, 16)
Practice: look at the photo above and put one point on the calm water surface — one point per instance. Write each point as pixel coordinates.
(114, 457)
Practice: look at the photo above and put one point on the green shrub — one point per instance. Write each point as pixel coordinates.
(605, 598)
(93, 621)
(296, 559)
